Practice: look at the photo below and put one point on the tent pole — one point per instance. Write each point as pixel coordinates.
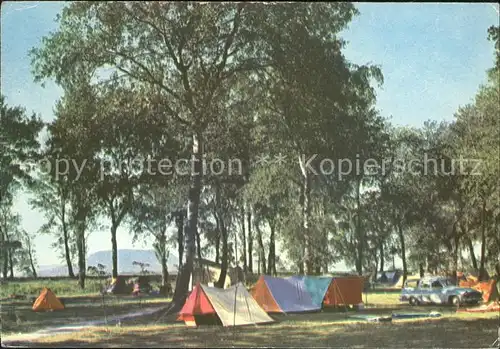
(366, 293)
(342, 298)
(234, 310)
(248, 310)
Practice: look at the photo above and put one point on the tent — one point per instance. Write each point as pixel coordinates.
(392, 276)
(142, 285)
(381, 277)
(47, 301)
(227, 307)
(344, 290)
(332, 291)
(119, 286)
(278, 295)
(488, 289)
(206, 271)
(410, 279)
(492, 307)
(316, 286)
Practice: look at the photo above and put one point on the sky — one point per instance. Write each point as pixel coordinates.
(434, 57)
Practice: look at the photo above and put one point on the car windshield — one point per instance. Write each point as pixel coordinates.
(446, 282)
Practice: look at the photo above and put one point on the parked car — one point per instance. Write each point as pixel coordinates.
(439, 290)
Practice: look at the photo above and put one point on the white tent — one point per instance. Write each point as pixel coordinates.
(234, 306)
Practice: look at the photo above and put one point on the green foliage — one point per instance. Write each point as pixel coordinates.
(143, 266)
(153, 81)
(18, 146)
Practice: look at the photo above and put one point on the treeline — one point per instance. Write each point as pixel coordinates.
(318, 169)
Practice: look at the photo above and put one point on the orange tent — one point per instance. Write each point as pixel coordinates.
(261, 293)
(467, 283)
(488, 289)
(483, 309)
(346, 290)
(47, 301)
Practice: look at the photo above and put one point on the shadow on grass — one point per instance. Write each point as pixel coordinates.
(449, 333)
(18, 317)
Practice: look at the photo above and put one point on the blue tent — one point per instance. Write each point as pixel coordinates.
(290, 295)
(316, 286)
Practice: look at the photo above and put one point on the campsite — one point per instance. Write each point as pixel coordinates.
(235, 315)
(249, 174)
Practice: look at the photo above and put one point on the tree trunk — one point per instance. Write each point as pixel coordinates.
(80, 244)
(164, 269)
(471, 252)
(217, 238)
(221, 224)
(114, 250)
(272, 253)
(262, 252)
(182, 286)
(30, 256)
(236, 262)
(243, 239)
(161, 250)
(429, 264)
(67, 252)
(456, 247)
(179, 222)
(300, 261)
(465, 233)
(250, 241)
(483, 242)
(403, 251)
(224, 260)
(382, 257)
(198, 244)
(5, 262)
(421, 270)
(5, 265)
(306, 212)
(11, 263)
(359, 231)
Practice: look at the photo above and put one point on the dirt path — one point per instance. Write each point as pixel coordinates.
(51, 331)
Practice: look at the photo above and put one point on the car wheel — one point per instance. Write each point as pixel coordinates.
(455, 301)
(413, 301)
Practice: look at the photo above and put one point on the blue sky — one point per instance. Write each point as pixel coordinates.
(433, 57)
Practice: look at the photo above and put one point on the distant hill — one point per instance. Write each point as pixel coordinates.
(127, 256)
(125, 259)
(52, 270)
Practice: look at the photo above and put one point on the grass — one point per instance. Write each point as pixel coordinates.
(380, 299)
(18, 317)
(332, 328)
(62, 288)
(305, 330)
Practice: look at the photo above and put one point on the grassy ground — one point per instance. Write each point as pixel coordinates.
(309, 330)
(61, 288)
(381, 299)
(333, 327)
(17, 316)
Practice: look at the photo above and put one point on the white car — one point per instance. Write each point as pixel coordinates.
(439, 290)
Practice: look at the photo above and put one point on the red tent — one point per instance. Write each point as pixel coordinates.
(197, 304)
